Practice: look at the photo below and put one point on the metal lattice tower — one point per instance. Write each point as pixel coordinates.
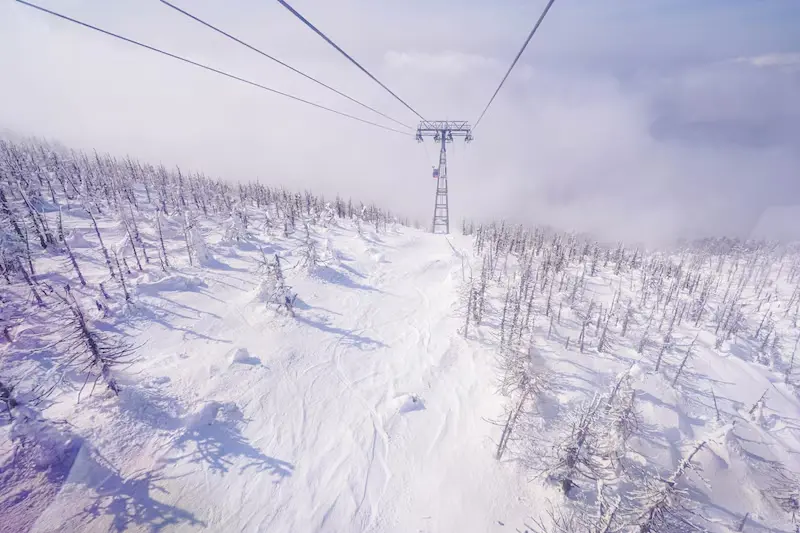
(442, 131)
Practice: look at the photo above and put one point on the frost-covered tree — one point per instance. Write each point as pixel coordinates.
(605, 517)
(662, 505)
(577, 454)
(535, 382)
(272, 289)
(309, 254)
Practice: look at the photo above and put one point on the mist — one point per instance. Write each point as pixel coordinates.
(638, 121)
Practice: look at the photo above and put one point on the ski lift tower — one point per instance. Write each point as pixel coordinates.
(442, 131)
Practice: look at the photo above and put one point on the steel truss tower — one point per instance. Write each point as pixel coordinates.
(442, 131)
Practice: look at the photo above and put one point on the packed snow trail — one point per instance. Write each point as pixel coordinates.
(365, 412)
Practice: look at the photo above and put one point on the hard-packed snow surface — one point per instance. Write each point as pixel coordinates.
(284, 364)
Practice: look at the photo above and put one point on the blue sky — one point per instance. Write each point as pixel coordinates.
(644, 120)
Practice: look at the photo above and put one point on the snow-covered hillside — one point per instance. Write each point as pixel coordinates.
(265, 361)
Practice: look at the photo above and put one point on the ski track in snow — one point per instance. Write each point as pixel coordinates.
(365, 412)
(345, 418)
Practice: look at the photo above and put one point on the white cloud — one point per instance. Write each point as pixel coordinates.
(448, 62)
(775, 60)
(607, 124)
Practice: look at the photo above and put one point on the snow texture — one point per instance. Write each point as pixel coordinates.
(378, 403)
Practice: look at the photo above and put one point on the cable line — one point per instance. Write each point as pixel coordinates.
(253, 48)
(205, 67)
(345, 54)
(530, 35)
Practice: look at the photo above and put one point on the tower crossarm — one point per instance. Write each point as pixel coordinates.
(454, 128)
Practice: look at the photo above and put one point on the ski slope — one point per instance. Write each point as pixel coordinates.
(364, 412)
(381, 402)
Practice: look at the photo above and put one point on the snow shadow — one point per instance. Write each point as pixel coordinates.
(34, 473)
(150, 408)
(359, 341)
(51, 467)
(213, 437)
(127, 500)
(300, 304)
(160, 316)
(352, 270)
(331, 275)
(408, 403)
(216, 264)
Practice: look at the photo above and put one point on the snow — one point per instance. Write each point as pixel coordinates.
(153, 284)
(317, 433)
(241, 355)
(78, 240)
(368, 409)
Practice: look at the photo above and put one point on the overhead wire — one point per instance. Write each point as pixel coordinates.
(283, 64)
(345, 54)
(206, 67)
(513, 63)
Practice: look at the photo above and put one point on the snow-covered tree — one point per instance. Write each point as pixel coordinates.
(272, 289)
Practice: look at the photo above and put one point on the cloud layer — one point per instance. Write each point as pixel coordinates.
(637, 121)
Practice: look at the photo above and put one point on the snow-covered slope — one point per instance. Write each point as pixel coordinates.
(294, 365)
(363, 412)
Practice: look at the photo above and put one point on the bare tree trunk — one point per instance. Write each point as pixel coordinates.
(28, 254)
(165, 263)
(683, 362)
(133, 245)
(469, 309)
(510, 423)
(102, 245)
(30, 283)
(186, 228)
(122, 278)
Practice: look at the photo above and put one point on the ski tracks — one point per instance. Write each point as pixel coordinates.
(379, 432)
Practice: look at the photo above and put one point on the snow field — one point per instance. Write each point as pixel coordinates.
(352, 384)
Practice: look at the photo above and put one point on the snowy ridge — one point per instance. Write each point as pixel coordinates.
(275, 362)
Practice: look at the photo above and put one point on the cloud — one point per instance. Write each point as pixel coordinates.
(447, 63)
(772, 60)
(608, 124)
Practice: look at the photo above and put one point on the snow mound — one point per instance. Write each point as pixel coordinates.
(407, 403)
(174, 282)
(77, 239)
(214, 412)
(241, 355)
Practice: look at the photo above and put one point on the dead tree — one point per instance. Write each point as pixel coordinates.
(576, 454)
(30, 283)
(132, 240)
(102, 245)
(663, 506)
(684, 361)
(89, 350)
(122, 278)
(165, 260)
(71, 256)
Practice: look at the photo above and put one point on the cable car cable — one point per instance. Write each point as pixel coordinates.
(345, 54)
(206, 67)
(253, 48)
(513, 63)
